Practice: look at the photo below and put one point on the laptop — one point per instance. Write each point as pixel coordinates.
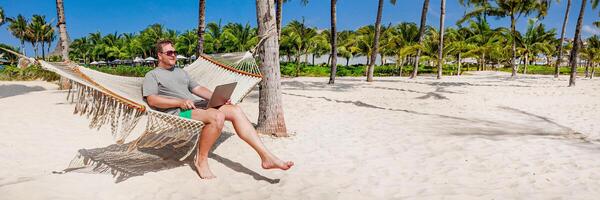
(220, 95)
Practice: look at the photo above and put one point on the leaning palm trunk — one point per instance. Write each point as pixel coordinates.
(576, 45)
(562, 37)
(371, 68)
(270, 117)
(421, 33)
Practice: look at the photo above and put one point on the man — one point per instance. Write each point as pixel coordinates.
(170, 89)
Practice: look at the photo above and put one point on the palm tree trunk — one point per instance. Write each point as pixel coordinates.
(201, 26)
(279, 4)
(421, 33)
(593, 71)
(576, 45)
(297, 64)
(371, 68)
(514, 45)
(23, 47)
(441, 49)
(35, 48)
(562, 37)
(270, 116)
(62, 28)
(333, 42)
(587, 69)
(526, 63)
(43, 51)
(398, 66)
(483, 63)
(458, 72)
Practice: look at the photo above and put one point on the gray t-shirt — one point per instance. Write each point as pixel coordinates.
(171, 83)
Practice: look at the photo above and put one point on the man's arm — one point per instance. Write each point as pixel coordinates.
(202, 92)
(165, 102)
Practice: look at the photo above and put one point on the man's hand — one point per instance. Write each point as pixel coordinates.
(228, 102)
(187, 104)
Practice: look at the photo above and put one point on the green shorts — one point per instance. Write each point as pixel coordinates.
(186, 114)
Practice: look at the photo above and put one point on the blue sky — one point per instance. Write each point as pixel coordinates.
(127, 16)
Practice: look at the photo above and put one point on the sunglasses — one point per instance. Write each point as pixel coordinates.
(169, 53)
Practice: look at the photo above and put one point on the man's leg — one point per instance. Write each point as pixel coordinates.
(246, 132)
(213, 124)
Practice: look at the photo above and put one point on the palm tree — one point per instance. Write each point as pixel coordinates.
(279, 9)
(577, 42)
(302, 36)
(213, 38)
(62, 28)
(421, 34)
(187, 43)
(79, 49)
(364, 42)
(47, 36)
(514, 10)
(236, 37)
(593, 52)
(485, 38)
(535, 40)
(347, 45)
(400, 41)
(2, 17)
(319, 45)
(270, 116)
(35, 31)
(18, 28)
(333, 43)
(441, 57)
(562, 38)
(459, 41)
(373, 56)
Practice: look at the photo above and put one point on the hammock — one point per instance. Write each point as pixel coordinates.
(117, 100)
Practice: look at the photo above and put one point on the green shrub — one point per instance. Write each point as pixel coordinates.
(34, 72)
(124, 70)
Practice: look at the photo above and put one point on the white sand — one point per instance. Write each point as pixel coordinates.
(474, 137)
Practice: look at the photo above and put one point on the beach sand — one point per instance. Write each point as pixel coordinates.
(482, 136)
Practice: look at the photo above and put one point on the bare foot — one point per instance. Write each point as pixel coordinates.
(203, 169)
(276, 163)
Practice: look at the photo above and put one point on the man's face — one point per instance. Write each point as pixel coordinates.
(168, 56)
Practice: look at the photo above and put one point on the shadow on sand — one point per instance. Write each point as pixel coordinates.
(14, 90)
(116, 160)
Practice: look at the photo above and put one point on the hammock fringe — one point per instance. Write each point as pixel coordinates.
(103, 109)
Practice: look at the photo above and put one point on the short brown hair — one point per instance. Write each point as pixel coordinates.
(162, 42)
